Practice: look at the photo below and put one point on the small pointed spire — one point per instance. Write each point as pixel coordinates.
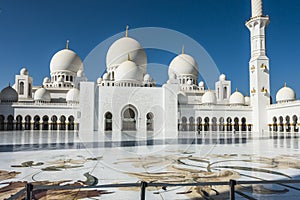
(236, 89)
(182, 49)
(8, 84)
(67, 44)
(284, 84)
(126, 33)
(128, 57)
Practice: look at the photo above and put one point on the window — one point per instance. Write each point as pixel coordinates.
(21, 88)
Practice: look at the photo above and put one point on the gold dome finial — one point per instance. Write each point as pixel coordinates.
(67, 44)
(128, 57)
(284, 84)
(236, 89)
(126, 33)
(182, 49)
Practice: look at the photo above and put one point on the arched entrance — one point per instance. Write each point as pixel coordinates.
(54, 122)
(236, 124)
(27, 122)
(62, 125)
(45, 125)
(10, 123)
(206, 124)
(184, 124)
(71, 122)
(244, 126)
(129, 118)
(36, 123)
(149, 121)
(19, 122)
(191, 124)
(108, 121)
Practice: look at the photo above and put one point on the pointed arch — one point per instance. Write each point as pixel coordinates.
(206, 124)
(36, 123)
(229, 125)
(54, 122)
(149, 121)
(199, 124)
(244, 125)
(27, 122)
(184, 124)
(19, 122)
(275, 128)
(62, 125)
(129, 118)
(108, 121)
(71, 120)
(191, 124)
(10, 123)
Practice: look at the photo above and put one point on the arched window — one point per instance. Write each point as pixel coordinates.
(71, 122)
(206, 124)
(62, 125)
(54, 122)
(275, 128)
(199, 124)
(21, 88)
(288, 124)
(108, 121)
(295, 123)
(225, 92)
(2, 122)
(71, 78)
(67, 78)
(244, 125)
(184, 124)
(10, 123)
(149, 122)
(129, 117)
(27, 122)
(214, 124)
(281, 124)
(236, 124)
(229, 125)
(191, 124)
(45, 125)
(221, 126)
(19, 122)
(36, 123)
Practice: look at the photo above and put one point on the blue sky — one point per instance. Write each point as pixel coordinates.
(32, 31)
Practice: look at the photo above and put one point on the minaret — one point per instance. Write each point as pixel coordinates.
(259, 67)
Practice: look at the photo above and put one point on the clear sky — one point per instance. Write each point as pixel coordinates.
(32, 31)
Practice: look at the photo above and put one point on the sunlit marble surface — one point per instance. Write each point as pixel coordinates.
(117, 164)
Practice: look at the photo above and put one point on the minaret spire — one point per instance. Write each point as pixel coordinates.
(126, 33)
(257, 8)
(67, 44)
(259, 71)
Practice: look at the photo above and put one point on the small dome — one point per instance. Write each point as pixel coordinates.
(24, 71)
(237, 98)
(42, 95)
(46, 80)
(80, 73)
(183, 64)
(9, 94)
(222, 77)
(247, 100)
(128, 70)
(106, 76)
(209, 97)
(119, 50)
(285, 94)
(99, 80)
(65, 60)
(147, 78)
(73, 96)
(201, 84)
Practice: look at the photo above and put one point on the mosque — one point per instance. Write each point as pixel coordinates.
(127, 99)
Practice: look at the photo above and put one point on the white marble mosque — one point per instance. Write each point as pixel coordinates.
(126, 97)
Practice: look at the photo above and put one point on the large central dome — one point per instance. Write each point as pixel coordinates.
(119, 50)
(65, 60)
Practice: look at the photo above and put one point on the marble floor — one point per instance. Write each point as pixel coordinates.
(56, 156)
